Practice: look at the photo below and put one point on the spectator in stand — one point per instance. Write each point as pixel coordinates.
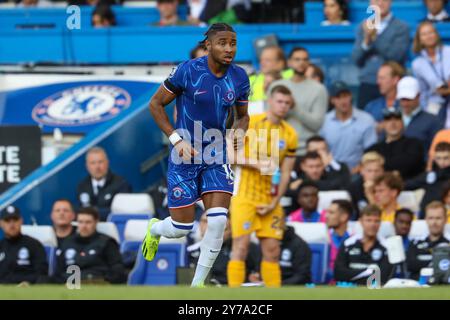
(418, 123)
(403, 154)
(308, 200)
(62, 217)
(168, 12)
(96, 254)
(431, 67)
(441, 136)
(93, 2)
(200, 50)
(436, 11)
(376, 44)
(420, 250)
(433, 181)
(388, 76)
(446, 198)
(386, 190)
(195, 10)
(337, 171)
(295, 259)
(103, 16)
(22, 258)
(336, 13)
(34, 3)
(311, 99)
(313, 72)
(361, 189)
(359, 252)
(101, 185)
(226, 11)
(347, 130)
(402, 224)
(271, 60)
(337, 217)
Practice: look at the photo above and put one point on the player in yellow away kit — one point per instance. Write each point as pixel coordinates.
(270, 143)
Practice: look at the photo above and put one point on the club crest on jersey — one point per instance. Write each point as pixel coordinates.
(177, 192)
(229, 96)
(81, 105)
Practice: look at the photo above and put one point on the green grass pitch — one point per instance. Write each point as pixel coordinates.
(103, 292)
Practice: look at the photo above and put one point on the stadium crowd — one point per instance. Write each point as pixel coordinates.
(394, 137)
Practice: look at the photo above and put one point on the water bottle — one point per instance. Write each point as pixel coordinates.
(276, 177)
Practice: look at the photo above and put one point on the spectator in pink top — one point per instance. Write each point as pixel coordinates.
(308, 200)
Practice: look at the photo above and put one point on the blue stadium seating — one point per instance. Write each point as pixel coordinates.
(319, 261)
(120, 220)
(162, 270)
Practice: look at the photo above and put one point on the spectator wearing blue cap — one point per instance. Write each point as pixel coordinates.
(347, 130)
(403, 154)
(22, 258)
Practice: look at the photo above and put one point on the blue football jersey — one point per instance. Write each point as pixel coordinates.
(204, 101)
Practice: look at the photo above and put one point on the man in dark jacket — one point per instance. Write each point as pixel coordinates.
(97, 255)
(359, 252)
(432, 181)
(99, 188)
(403, 154)
(295, 259)
(22, 258)
(420, 252)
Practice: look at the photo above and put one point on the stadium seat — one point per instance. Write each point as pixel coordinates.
(326, 197)
(127, 206)
(162, 270)
(47, 237)
(109, 229)
(316, 235)
(411, 199)
(419, 228)
(133, 203)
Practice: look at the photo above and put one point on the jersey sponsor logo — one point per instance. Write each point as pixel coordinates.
(92, 252)
(81, 105)
(197, 92)
(376, 254)
(354, 252)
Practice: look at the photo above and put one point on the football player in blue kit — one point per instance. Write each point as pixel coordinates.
(206, 90)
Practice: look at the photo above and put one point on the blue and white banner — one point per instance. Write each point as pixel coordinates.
(74, 107)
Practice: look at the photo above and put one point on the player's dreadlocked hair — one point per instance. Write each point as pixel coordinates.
(215, 28)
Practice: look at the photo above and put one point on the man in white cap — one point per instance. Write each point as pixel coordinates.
(418, 123)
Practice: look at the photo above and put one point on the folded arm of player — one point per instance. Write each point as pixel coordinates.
(160, 99)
